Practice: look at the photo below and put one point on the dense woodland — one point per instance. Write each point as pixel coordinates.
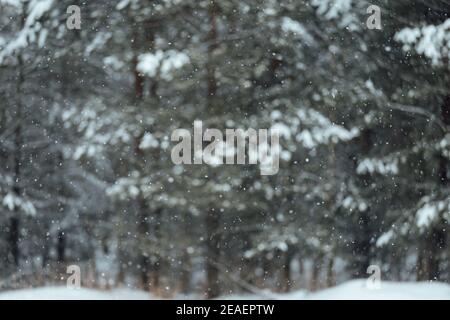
(86, 117)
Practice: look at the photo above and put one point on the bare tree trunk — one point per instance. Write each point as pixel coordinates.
(156, 266)
(45, 251)
(120, 279)
(14, 240)
(143, 229)
(315, 274)
(212, 255)
(330, 273)
(435, 241)
(14, 223)
(138, 80)
(61, 247)
(212, 218)
(185, 279)
(362, 244)
(301, 271)
(286, 278)
(420, 271)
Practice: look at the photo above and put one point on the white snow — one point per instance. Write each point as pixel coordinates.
(149, 63)
(337, 9)
(63, 293)
(122, 4)
(163, 62)
(148, 141)
(311, 128)
(12, 202)
(359, 290)
(30, 32)
(289, 25)
(99, 42)
(430, 40)
(385, 238)
(382, 166)
(351, 290)
(332, 9)
(426, 215)
(15, 3)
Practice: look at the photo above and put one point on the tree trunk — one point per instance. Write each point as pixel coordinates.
(14, 226)
(315, 274)
(420, 271)
(212, 255)
(301, 271)
(61, 247)
(14, 240)
(138, 80)
(212, 218)
(156, 266)
(45, 251)
(143, 229)
(362, 244)
(286, 278)
(185, 279)
(434, 243)
(330, 273)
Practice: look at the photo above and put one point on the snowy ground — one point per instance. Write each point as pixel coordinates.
(63, 293)
(353, 290)
(358, 290)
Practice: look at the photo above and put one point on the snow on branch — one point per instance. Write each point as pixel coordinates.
(13, 202)
(162, 63)
(32, 30)
(322, 130)
(430, 211)
(381, 166)
(432, 41)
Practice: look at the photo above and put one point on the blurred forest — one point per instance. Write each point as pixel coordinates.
(86, 118)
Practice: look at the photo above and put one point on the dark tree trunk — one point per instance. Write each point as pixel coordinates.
(145, 279)
(138, 77)
(14, 224)
(420, 271)
(301, 270)
(330, 273)
(157, 257)
(138, 80)
(143, 229)
(212, 255)
(185, 279)
(212, 218)
(315, 274)
(434, 243)
(45, 252)
(362, 245)
(61, 247)
(286, 275)
(14, 240)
